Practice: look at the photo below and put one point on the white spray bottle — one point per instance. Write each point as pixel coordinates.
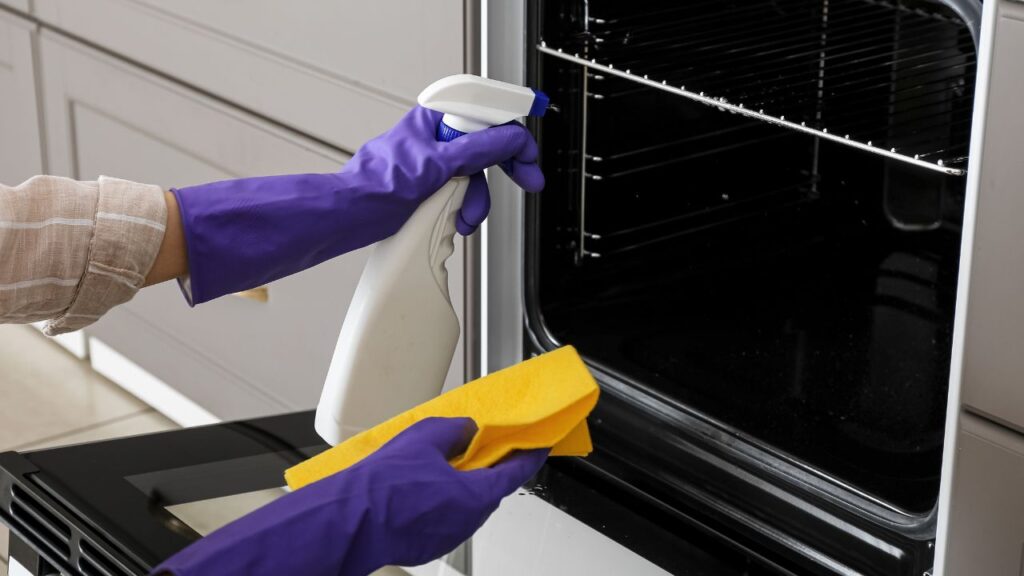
(401, 331)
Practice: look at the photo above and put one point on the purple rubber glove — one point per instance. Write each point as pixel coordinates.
(246, 233)
(403, 505)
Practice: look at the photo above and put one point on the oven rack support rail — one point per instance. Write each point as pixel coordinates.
(739, 108)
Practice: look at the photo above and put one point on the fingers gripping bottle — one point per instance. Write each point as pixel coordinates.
(400, 332)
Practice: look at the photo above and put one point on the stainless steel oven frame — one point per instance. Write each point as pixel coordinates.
(504, 320)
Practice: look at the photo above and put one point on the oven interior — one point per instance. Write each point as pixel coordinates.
(782, 265)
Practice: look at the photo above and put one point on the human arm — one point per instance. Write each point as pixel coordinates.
(172, 259)
(111, 237)
(71, 250)
(403, 505)
(248, 232)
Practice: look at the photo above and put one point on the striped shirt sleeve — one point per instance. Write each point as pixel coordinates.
(70, 251)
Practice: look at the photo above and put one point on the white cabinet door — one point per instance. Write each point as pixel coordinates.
(342, 70)
(988, 354)
(21, 5)
(236, 357)
(994, 336)
(986, 529)
(20, 151)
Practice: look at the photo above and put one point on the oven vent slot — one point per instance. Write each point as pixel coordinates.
(42, 523)
(894, 79)
(90, 569)
(92, 562)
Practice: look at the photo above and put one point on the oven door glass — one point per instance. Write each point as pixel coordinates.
(782, 301)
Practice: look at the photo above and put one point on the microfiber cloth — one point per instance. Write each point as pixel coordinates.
(540, 403)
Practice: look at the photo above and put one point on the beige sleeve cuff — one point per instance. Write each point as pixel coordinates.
(130, 222)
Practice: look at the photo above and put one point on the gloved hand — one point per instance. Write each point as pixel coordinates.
(403, 505)
(244, 233)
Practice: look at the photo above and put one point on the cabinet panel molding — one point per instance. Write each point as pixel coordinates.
(20, 145)
(20, 5)
(340, 71)
(987, 516)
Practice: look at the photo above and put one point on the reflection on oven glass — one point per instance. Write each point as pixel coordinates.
(205, 516)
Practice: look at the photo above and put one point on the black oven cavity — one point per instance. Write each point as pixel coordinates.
(752, 231)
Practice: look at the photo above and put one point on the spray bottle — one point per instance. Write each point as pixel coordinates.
(400, 333)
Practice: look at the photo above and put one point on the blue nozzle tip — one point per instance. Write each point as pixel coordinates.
(540, 103)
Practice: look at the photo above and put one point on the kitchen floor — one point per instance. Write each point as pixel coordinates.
(50, 398)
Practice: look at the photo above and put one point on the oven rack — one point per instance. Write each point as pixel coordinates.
(950, 166)
(838, 72)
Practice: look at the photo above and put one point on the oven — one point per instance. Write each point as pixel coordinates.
(752, 232)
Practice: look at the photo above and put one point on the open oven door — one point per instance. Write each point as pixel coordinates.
(981, 522)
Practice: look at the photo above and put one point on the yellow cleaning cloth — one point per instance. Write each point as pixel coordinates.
(540, 403)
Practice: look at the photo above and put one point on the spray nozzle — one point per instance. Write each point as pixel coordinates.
(471, 103)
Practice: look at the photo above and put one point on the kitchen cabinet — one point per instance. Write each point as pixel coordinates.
(981, 514)
(20, 151)
(987, 516)
(993, 339)
(235, 357)
(21, 5)
(340, 71)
